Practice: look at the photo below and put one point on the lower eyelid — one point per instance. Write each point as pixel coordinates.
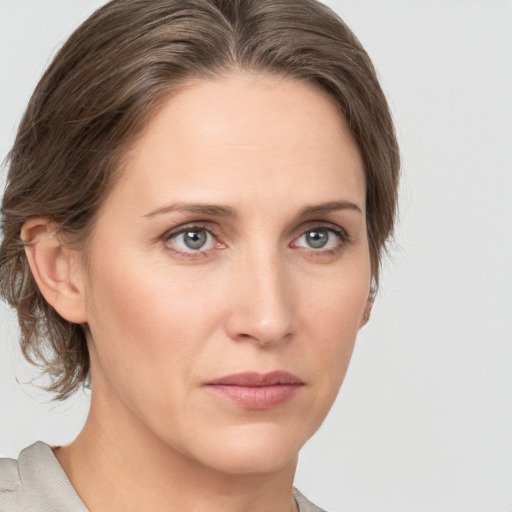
(186, 255)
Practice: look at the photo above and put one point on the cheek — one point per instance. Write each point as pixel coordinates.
(338, 300)
(142, 319)
(332, 313)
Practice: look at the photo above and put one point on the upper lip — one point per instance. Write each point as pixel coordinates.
(255, 379)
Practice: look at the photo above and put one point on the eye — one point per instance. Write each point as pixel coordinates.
(190, 239)
(321, 238)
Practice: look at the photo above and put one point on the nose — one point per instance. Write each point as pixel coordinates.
(262, 301)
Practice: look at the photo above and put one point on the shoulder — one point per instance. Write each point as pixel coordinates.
(9, 475)
(303, 504)
(36, 482)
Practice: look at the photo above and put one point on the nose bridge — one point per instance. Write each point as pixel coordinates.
(263, 308)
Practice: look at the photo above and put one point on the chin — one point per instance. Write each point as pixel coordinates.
(249, 449)
(247, 461)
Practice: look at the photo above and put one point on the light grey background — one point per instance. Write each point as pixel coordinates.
(424, 419)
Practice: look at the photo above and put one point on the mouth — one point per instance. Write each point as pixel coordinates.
(252, 390)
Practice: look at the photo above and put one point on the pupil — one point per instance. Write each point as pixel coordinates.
(195, 239)
(317, 238)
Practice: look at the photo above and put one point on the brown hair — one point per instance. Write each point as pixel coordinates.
(112, 74)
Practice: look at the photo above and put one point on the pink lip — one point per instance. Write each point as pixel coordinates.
(254, 390)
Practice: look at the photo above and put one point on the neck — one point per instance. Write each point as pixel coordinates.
(117, 460)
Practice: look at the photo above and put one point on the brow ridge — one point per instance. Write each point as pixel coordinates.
(227, 211)
(200, 208)
(328, 207)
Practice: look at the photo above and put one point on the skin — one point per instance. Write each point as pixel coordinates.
(164, 319)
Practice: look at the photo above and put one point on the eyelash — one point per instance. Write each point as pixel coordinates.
(340, 233)
(343, 236)
(192, 254)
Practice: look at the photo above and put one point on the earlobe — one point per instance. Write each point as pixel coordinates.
(367, 310)
(55, 269)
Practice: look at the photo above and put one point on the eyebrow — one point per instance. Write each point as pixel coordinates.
(201, 208)
(329, 207)
(227, 211)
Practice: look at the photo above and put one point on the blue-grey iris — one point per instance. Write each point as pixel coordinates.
(195, 239)
(317, 238)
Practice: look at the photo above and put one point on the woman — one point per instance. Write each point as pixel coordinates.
(198, 198)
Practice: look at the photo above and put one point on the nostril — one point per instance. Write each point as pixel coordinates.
(264, 339)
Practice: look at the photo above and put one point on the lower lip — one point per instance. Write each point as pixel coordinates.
(256, 397)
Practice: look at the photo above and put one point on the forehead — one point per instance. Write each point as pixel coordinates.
(216, 137)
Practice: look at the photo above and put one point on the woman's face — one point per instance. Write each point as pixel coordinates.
(229, 272)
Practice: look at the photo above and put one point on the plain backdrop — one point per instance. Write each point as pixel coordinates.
(424, 419)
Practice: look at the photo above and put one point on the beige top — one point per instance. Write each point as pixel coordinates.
(37, 483)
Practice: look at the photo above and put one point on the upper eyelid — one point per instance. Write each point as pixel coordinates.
(207, 226)
(310, 225)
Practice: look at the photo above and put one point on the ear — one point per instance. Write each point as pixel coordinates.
(367, 310)
(56, 269)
